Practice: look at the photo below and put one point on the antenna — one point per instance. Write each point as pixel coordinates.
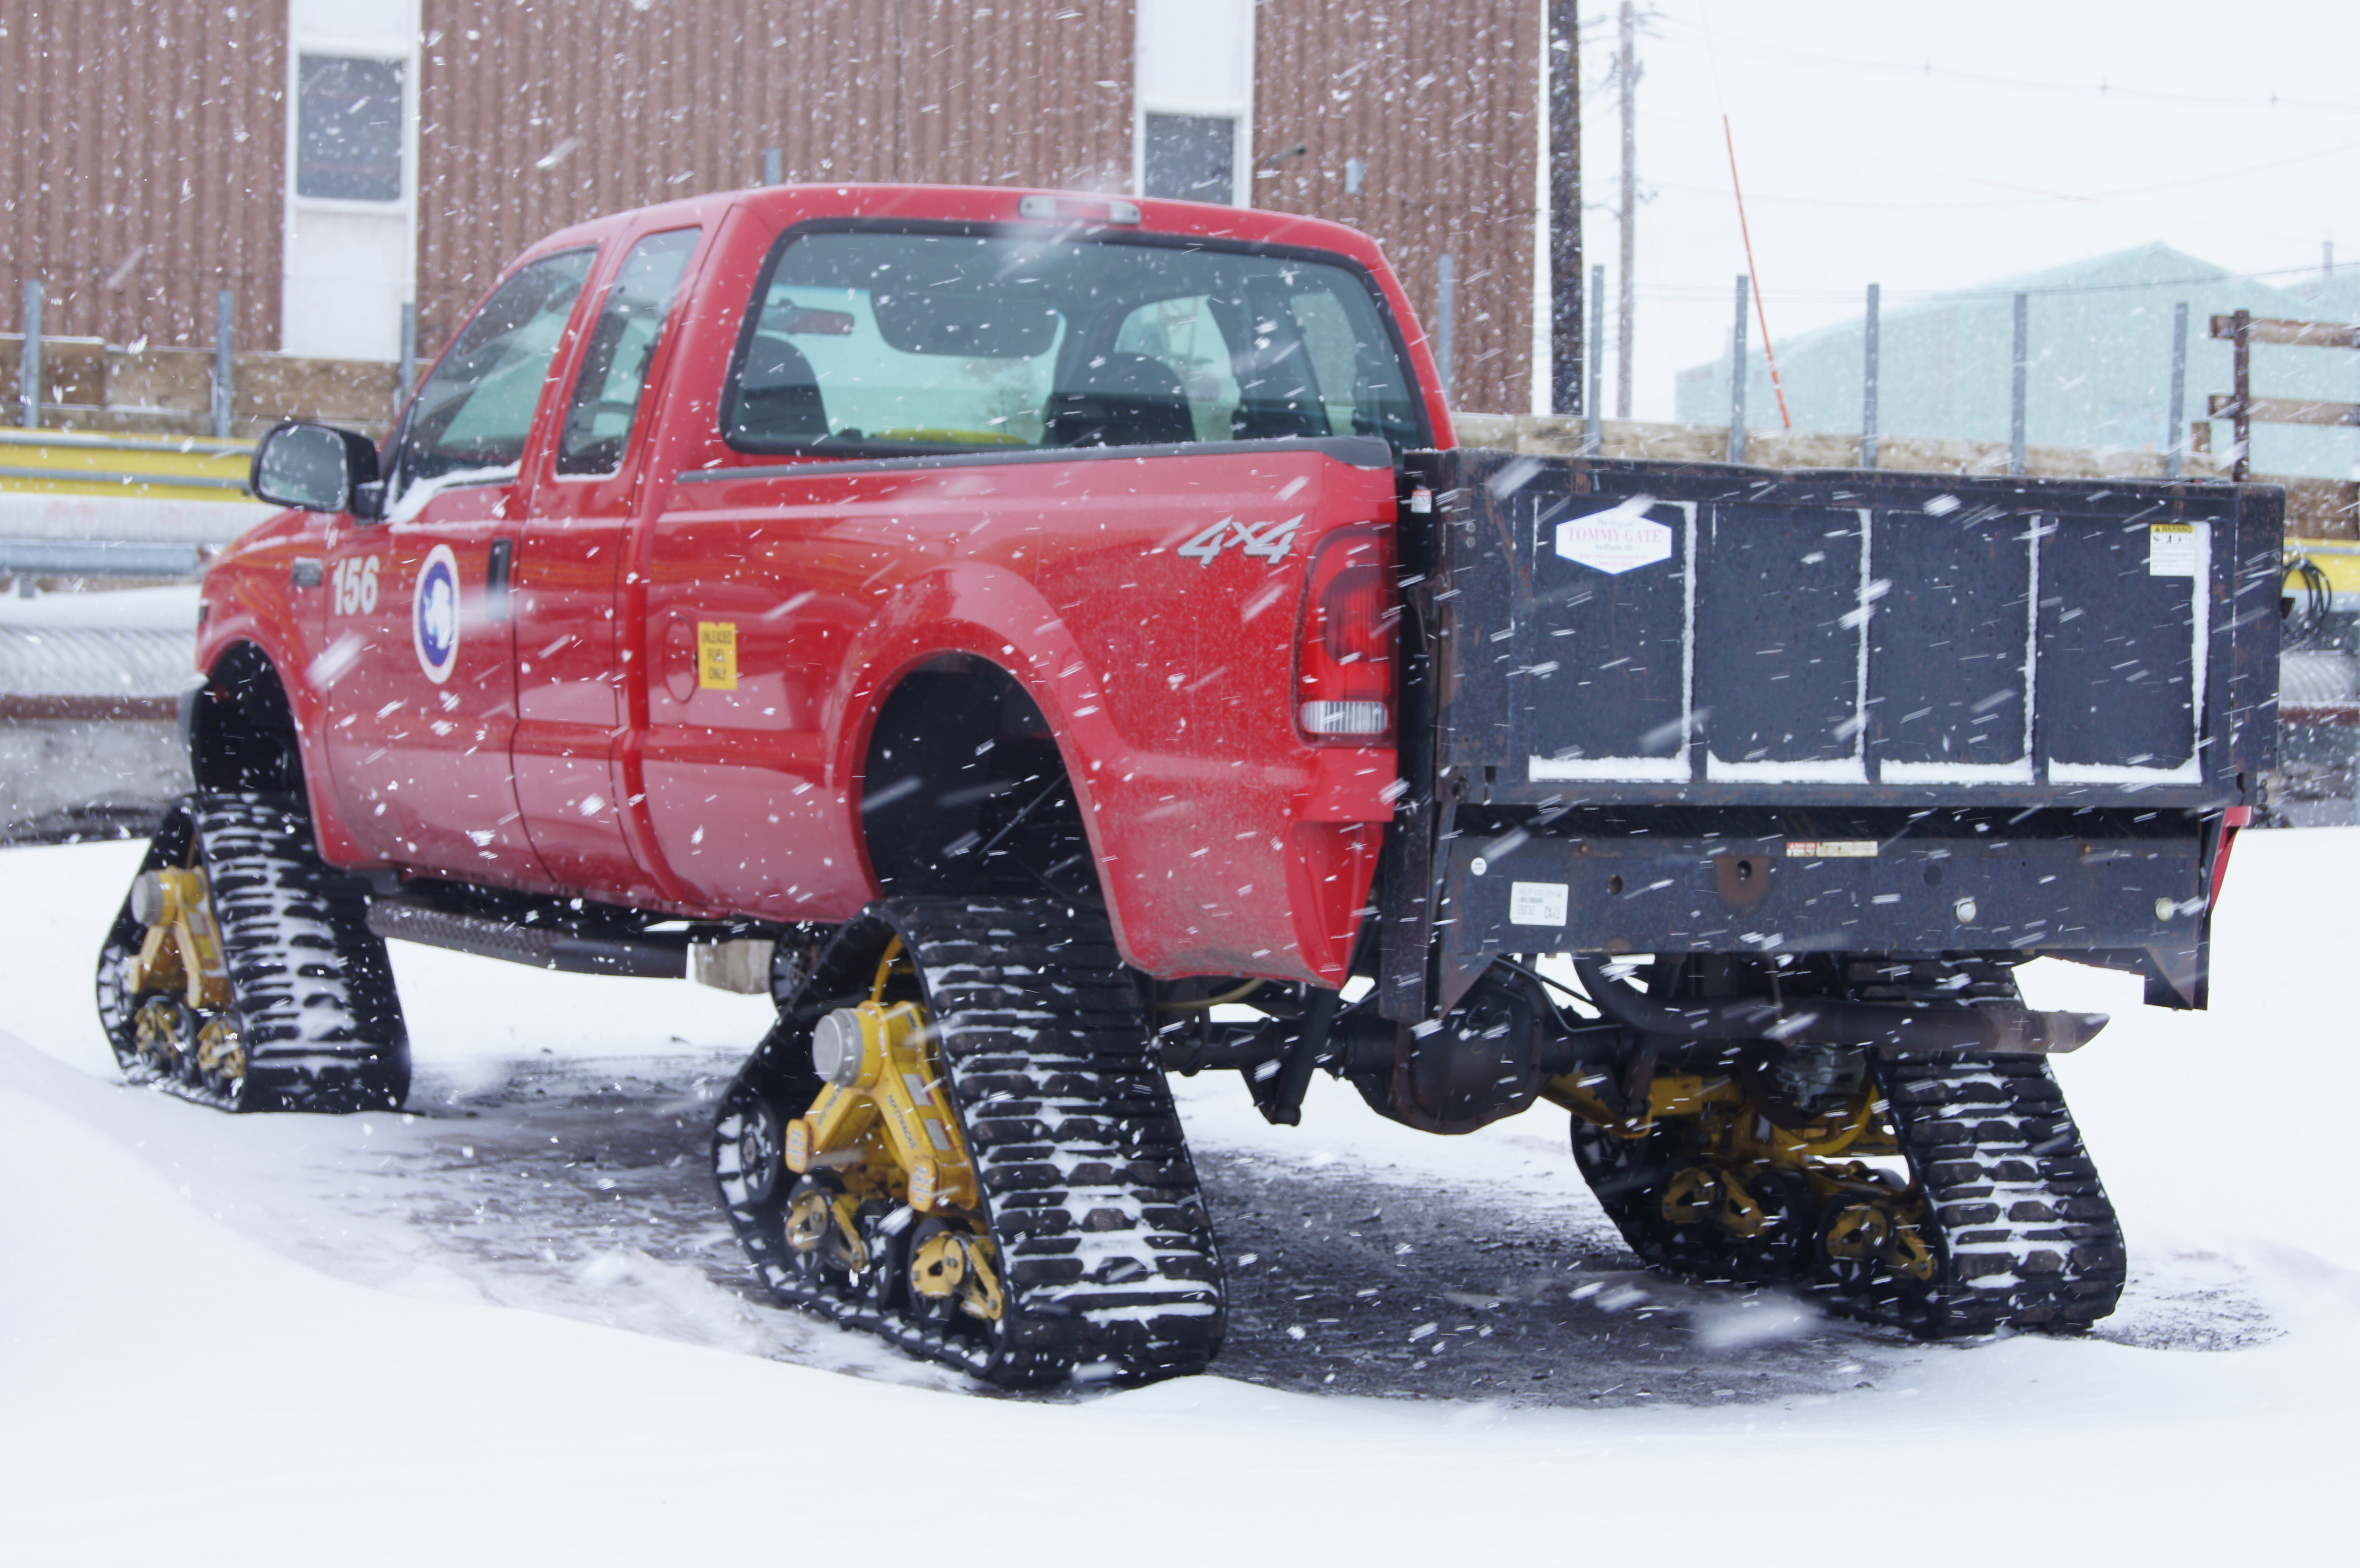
(1759, 315)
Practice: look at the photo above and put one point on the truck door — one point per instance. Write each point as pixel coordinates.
(568, 574)
(420, 654)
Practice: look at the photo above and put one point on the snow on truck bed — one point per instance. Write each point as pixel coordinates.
(310, 1339)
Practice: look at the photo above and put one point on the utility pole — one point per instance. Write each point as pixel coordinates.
(1627, 71)
(1567, 351)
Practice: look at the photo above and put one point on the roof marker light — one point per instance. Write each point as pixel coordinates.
(1065, 209)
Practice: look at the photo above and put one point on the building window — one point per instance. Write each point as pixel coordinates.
(1192, 157)
(348, 129)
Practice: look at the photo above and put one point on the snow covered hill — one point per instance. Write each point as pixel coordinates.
(506, 1327)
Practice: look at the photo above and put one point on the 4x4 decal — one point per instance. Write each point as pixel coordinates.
(1269, 540)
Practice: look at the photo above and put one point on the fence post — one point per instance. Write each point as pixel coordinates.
(2175, 433)
(1737, 379)
(774, 166)
(2016, 393)
(225, 363)
(1593, 430)
(28, 363)
(405, 378)
(2241, 329)
(1446, 307)
(1868, 383)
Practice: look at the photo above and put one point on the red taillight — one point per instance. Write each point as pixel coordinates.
(1344, 690)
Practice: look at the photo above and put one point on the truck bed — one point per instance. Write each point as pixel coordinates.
(1664, 708)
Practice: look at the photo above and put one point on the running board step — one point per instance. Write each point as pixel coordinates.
(658, 955)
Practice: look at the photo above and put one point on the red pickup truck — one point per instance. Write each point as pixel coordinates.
(1054, 639)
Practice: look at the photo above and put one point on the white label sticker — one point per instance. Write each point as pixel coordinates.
(1831, 849)
(1536, 903)
(2172, 549)
(1612, 543)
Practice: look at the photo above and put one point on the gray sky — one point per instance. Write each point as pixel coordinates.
(2042, 133)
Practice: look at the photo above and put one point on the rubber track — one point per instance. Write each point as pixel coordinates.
(314, 991)
(2024, 1233)
(1087, 1185)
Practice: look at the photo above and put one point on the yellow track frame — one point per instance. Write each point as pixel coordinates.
(892, 1133)
(1869, 1219)
(182, 950)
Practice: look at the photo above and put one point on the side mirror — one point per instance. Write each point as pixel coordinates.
(314, 467)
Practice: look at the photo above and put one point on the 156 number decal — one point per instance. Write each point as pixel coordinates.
(356, 590)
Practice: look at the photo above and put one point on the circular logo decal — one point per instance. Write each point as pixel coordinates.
(434, 614)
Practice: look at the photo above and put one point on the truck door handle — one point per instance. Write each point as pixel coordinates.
(679, 661)
(496, 584)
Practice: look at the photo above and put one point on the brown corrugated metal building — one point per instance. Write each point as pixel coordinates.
(154, 151)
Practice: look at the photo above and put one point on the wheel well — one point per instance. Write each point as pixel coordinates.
(242, 732)
(964, 792)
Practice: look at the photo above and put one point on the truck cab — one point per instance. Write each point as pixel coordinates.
(741, 558)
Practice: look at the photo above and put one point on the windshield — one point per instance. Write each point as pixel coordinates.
(882, 343)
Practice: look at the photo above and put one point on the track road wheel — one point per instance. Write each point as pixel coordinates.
(161, 1033)
(824, 1233)
(1662, 1194)
(1871, 1253)
(977, 1156)
(954, 1269)
(240, 970)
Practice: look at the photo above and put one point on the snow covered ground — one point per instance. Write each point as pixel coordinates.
(508, 1327)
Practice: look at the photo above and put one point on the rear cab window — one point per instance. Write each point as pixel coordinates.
(612, 383)
(872, 341)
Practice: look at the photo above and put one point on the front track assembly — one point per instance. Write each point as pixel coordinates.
(241, 973)
(983, 1165)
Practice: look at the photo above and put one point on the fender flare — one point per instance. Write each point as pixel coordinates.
(975, 610)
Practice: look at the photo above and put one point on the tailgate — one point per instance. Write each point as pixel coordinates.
(1631, 632)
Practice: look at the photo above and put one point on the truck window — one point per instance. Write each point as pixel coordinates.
(470, 421)
(607, 393)
(1183, 335)
(873, 342)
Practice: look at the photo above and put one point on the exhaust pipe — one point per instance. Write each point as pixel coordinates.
(2007, 1030)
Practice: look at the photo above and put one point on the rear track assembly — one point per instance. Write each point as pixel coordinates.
(2000, 1222)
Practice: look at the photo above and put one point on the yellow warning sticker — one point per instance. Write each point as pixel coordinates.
(2172, 549)
(717, 655)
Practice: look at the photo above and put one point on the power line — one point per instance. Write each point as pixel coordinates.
(2030, 191)
(1770, 49)
(2033, 197)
